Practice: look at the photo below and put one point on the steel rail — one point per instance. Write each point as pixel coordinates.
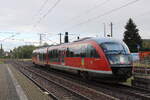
(127, 90)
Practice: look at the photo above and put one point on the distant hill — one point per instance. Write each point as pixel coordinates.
(146, 44)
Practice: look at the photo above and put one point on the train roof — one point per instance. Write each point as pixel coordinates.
(99, 40)
(107, 39)
(96, 39)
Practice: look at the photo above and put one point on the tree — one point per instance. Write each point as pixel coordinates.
(132, 37)
(23, 51)
(45, 44)
(1, 51)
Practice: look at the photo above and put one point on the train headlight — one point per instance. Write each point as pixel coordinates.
(111, 62)
(122, 60)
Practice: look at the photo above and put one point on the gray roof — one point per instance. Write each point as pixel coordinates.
(100, 40)
(107, 39)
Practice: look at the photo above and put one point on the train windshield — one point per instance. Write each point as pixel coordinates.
(113, 48)
(116, 53)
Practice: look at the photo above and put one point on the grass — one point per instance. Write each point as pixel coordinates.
(25, 59)
(128, 82)
(141, 65)
(1, 62)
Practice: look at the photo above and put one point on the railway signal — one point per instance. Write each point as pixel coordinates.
(66, 39)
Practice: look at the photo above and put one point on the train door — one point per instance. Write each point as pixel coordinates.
(92, 59)
(47, 56)
(38, 58)
(83, 49)
(63, 56)
(59, 55)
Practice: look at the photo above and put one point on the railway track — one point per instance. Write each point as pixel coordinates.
(71, 90)
(117, 91)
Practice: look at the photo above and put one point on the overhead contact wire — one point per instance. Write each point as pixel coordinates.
(48, 12)
(104, 14)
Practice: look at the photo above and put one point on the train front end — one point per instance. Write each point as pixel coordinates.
(119, 58)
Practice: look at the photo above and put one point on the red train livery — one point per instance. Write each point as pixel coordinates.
(105, 58)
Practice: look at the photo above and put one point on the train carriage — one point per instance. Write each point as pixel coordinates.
(95, 57)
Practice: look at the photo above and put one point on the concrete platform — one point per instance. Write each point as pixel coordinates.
(7, 89)
(15, 86)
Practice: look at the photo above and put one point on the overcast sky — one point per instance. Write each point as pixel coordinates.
(21, 21)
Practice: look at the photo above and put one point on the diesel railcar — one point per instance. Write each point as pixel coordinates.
(104, 58)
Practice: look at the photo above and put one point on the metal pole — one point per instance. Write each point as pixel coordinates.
(40, 39)
(60, 37)
(111, 25)
(104, 30)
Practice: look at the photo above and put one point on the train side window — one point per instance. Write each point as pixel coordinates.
(77, 51)
(70, 52)
(83, 51)
(91, 52)
(49, 54)
(43, 56)
(96, 55)
(67, 52)
(88, 51)
(52, 52)
(39, 56)
(55, 55)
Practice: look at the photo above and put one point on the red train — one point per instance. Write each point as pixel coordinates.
(90, 57)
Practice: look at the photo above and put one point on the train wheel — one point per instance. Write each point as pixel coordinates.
(85, 75)
(79, 72)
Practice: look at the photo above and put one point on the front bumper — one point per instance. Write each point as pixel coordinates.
(122, 71)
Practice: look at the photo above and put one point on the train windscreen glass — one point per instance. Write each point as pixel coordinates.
(112, 47)
(116, 53)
